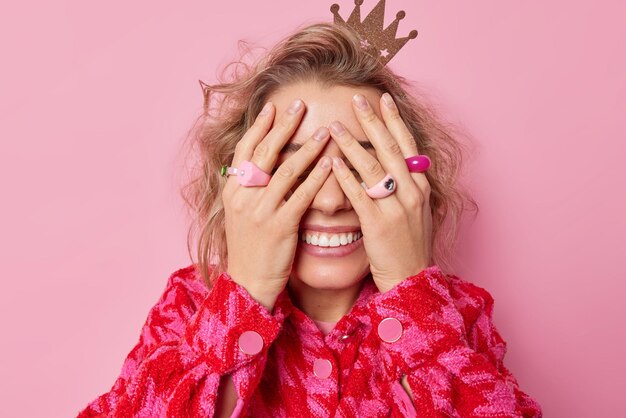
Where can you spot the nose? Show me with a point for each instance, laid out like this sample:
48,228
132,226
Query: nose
330,198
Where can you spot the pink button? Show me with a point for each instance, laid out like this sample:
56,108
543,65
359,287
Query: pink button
250,342
390,330
322,368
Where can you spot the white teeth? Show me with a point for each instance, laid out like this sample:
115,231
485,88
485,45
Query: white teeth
323,241
330,240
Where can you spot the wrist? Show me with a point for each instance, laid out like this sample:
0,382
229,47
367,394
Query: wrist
389,281
232,313
416,320
384,286
268,300
260,292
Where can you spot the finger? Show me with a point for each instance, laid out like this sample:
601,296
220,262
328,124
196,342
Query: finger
291,169
401,133
266,152
300,200
388,150
254,135
361,202
368,167
396,126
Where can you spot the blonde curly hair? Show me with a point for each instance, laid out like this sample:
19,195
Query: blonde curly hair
328,54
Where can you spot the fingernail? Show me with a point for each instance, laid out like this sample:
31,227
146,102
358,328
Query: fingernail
325,162
388,101
295,106
266,109
320,134
338,162
360,102
337,128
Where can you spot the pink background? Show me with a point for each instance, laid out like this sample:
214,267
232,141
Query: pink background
97,96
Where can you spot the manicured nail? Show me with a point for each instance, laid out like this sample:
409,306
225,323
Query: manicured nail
320,134
325,162
266,109
338,162
337,128
360,102
388,101
295,106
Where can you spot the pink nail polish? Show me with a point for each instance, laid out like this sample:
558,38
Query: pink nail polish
337,162
360,102
320,134
295,106
388,101
337,128
266,109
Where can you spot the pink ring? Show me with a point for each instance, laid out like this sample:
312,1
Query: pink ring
248,174
418,163
383,188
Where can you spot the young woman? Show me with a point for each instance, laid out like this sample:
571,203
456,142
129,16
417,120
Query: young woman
319,288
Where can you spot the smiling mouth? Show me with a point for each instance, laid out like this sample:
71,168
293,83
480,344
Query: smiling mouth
327,239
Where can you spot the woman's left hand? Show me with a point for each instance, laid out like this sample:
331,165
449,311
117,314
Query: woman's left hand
396,229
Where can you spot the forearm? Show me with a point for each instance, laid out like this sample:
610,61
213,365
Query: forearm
431,357
193,373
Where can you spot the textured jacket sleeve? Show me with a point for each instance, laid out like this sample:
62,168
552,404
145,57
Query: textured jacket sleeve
454,364
183,352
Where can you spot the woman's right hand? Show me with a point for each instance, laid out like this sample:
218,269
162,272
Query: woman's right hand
261,226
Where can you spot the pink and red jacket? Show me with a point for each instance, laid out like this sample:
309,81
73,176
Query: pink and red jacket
434,328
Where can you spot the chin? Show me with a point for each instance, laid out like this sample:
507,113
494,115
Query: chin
330,272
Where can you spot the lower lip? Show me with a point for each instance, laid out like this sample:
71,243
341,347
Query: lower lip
340,251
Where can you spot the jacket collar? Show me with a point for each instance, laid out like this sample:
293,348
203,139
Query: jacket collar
347,325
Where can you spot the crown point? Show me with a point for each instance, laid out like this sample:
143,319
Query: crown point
380,39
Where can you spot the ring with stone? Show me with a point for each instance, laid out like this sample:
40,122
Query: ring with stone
383,188
248,174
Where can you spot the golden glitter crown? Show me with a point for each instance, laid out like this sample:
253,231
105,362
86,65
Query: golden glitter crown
381,42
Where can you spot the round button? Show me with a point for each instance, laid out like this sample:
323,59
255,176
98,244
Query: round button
322,368
250,342
390,330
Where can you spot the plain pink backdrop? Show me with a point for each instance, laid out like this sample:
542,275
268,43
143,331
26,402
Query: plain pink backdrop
96,97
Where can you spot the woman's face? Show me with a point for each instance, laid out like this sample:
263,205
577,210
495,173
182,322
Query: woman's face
334,267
